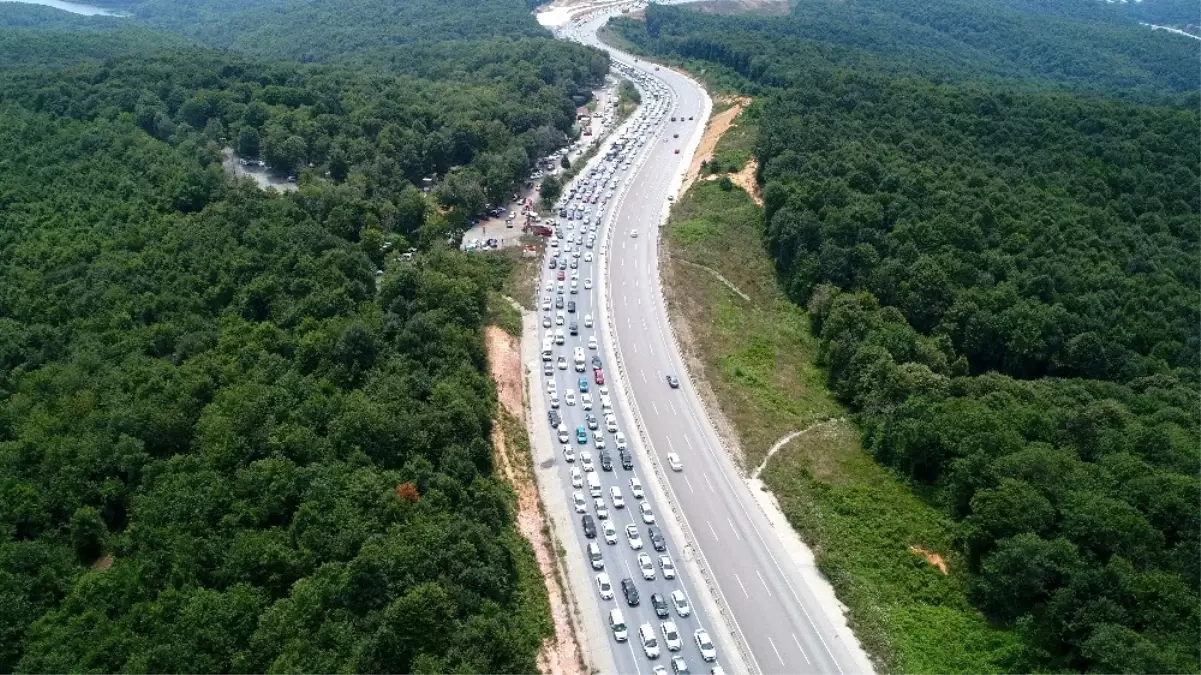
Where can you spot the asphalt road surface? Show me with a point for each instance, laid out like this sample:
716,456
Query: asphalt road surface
620,559
776,615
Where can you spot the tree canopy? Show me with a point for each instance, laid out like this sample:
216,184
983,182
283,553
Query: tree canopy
998,249
238,430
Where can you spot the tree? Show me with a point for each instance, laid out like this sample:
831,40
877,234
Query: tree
88,533
564,162
550,189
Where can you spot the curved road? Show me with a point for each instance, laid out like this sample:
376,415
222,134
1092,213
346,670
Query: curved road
776,616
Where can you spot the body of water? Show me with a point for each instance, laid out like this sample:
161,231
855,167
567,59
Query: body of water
73,7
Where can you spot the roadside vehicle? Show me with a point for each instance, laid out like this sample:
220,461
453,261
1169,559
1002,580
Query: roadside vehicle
610,531
618,625
668,567
629,590
671,636
632,534
645,565
680,602
673,460
705,645
636,487
659,603
604,586
657,541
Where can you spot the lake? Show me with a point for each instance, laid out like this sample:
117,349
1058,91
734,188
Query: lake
73,7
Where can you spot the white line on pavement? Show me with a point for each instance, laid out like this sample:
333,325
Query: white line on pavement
736,533
763,582
673,408
715,537
690,487
710,483
798,646
739,580
655,407
777,651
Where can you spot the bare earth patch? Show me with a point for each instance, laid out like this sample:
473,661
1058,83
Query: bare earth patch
560,653
719,124
102,563
931,557
745,179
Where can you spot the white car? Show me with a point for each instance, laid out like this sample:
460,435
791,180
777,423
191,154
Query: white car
559,318
668,567
585,401
610,422
610,531
604,586
681,602
703,643
636,487
588,282
648,516
588,258
568,453
569,397
671,636
586,460
598,439
592,342
602,509
619,502
546,322
587,321
577,478
619,439
562,429
646,567
673,460
577,498
634,537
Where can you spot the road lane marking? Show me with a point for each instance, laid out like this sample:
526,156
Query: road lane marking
715,537
689,484
709,482
735,529
656,408
670,444
739,580
773,648
673,408
763,582
798,646
643,373
688,441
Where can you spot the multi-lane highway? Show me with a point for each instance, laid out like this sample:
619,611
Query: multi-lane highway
770,613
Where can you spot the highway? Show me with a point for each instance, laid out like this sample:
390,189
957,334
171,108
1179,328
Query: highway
775,618
575,257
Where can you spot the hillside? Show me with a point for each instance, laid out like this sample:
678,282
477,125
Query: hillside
993,228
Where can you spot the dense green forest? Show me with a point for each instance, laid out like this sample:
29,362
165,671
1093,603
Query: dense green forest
1003,276
227,442
317,30
1084,44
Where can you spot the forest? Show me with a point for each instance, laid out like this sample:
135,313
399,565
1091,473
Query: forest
1001,266
238,432
1088,46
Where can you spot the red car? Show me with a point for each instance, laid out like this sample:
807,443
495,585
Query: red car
599,375
561,275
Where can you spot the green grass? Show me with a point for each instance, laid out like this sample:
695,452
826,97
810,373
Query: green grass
518,278
861,520
737,146
503,314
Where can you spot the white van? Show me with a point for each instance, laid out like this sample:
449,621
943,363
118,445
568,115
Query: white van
618,623
594,556
579,360
594,484
548,349
586,401
650,643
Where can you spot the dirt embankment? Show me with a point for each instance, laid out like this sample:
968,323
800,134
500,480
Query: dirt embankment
719,124
560,653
